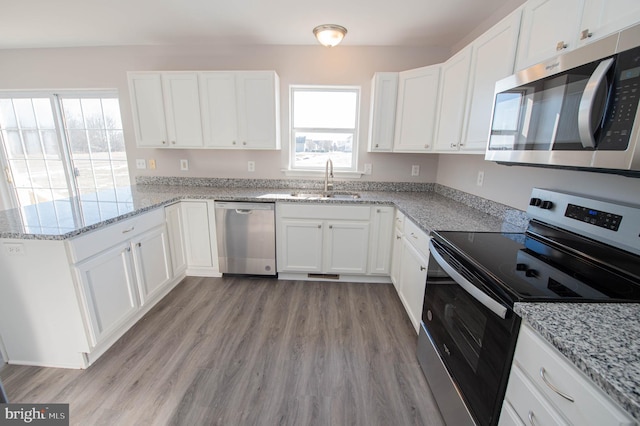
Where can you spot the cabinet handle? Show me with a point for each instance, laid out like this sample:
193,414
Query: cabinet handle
173,142
319,226
378,210
422,268
414,235
128,249
244,143
398,237
330,226
427,146
139,245
531,418
561,45
552,387
376,145
126,231
453,145
164,142
585,34
233,143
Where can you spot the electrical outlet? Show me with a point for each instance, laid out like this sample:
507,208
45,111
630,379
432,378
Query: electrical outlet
480,179
184,165
251,166
152,164
14,249
141,163
415,170
367,168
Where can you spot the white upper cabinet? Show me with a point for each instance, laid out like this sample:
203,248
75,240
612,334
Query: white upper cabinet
258,109
240,109
166,110
227,109
384,94
492,59
603,17
549,27
219,116
416,109
453,92
147,106
182,109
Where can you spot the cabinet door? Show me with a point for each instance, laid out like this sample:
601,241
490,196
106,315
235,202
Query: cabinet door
384,94
219,109
453,92
152,263
182,108
346,246
416,111
493,56
547,26
604,17
413,282
300,245
197,241
258,106
396,260
380,247
108,290
147,106
173,214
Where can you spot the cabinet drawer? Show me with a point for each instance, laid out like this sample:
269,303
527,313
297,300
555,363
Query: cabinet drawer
530,406
91,243
590,407
324,211
417,237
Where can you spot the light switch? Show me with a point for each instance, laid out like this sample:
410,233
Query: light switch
152,164
367,168
415,170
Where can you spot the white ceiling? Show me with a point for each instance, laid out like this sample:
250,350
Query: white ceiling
65,23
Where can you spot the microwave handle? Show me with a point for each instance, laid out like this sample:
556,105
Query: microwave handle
495,307
585,111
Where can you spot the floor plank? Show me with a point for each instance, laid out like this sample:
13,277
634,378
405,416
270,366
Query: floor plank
247,351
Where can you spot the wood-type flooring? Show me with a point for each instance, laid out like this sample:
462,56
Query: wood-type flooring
248,351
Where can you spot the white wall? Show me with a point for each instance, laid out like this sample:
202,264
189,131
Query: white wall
83,68
511,185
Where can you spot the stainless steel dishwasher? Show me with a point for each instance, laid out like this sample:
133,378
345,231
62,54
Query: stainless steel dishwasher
246,237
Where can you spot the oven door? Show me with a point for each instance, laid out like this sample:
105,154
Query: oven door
468,335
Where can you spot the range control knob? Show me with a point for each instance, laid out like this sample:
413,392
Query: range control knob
535,202
521,266
547,205
531,273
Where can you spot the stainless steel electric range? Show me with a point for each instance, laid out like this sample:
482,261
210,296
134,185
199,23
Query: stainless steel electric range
575,249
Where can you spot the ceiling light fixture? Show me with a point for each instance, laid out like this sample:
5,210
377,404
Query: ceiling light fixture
329,34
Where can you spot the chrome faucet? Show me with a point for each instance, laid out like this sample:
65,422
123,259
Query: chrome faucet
328,173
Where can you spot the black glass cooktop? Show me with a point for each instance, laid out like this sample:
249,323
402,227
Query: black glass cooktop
546,264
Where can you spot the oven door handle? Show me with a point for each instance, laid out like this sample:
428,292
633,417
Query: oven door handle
494,306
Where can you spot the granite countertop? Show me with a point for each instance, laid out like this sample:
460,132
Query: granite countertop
63,219
602,340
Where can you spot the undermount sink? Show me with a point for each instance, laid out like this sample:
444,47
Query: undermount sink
340,195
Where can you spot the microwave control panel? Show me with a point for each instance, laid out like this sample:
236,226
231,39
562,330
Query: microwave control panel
624,100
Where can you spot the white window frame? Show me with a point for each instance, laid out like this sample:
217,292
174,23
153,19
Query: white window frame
345,171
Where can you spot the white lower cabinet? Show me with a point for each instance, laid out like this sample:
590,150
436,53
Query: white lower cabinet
411,278
334,239
546,388
173,215
198,230
152,260
108,290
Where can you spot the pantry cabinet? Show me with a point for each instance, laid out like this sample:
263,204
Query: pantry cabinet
384,95
416,109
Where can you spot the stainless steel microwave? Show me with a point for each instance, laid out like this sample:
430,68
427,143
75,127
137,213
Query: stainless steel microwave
578,110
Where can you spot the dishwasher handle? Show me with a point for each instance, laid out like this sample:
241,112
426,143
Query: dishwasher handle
243,207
